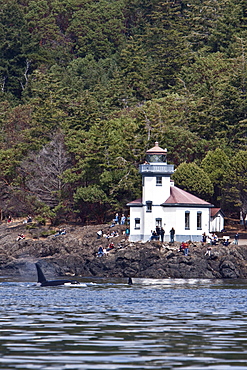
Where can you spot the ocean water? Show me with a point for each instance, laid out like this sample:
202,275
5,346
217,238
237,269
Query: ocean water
107,324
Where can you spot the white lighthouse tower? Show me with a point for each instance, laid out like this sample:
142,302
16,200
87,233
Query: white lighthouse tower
146,212
156,175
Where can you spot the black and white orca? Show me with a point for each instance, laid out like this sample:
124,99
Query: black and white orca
43,282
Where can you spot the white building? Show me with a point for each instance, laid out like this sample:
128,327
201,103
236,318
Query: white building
164,205
216,220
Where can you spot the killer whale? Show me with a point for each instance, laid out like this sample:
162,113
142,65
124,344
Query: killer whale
43,282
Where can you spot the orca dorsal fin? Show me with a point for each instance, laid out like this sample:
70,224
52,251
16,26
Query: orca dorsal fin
41,276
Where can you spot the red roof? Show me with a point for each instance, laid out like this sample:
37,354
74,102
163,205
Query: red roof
179,196
214,211
156,149
135,202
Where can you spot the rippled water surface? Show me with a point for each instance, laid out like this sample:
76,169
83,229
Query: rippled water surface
106,324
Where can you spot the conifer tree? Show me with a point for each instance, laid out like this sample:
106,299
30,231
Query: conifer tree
16,49
235,184
193,179
216,165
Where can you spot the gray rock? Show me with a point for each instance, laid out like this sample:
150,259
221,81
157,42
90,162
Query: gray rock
76,254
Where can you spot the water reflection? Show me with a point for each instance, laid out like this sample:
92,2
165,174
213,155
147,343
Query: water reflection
106,324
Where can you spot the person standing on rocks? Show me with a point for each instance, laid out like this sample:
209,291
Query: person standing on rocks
236,238
127,233
123,219
162,233
158,231
172,233
117,219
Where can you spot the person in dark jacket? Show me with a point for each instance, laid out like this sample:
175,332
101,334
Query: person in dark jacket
162,233
172,233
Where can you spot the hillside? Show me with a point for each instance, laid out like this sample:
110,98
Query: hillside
88,86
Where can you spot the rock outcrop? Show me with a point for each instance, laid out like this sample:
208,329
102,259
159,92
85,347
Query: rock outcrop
75,254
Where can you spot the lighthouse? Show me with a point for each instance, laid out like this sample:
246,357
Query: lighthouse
164,205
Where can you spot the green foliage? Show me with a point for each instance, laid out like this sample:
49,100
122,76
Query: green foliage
40,220
193,179
216,165
90,202
56,214
212,24
91,194
165,42
95,27
235,183
46,233
9,159
17,49
104,158
31,226
113,77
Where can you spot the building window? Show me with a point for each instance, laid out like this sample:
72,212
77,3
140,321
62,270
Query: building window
158,222
187,220
149,205
137,223
199,220
158,180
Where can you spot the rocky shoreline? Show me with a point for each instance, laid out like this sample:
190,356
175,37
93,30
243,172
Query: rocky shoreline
75,254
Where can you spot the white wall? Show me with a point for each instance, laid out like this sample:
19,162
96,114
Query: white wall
171,217
136,234
217,223
175,217
156,193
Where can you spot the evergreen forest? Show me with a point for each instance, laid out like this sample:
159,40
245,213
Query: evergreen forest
87,86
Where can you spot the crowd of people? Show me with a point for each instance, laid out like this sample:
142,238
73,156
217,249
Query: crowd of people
103,251
184,247
107,235
113,233
159,233
213,239
120,220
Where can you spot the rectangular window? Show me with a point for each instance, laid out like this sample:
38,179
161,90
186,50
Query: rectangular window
158,180
187,220
137,223
158,222
149,205
199,220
